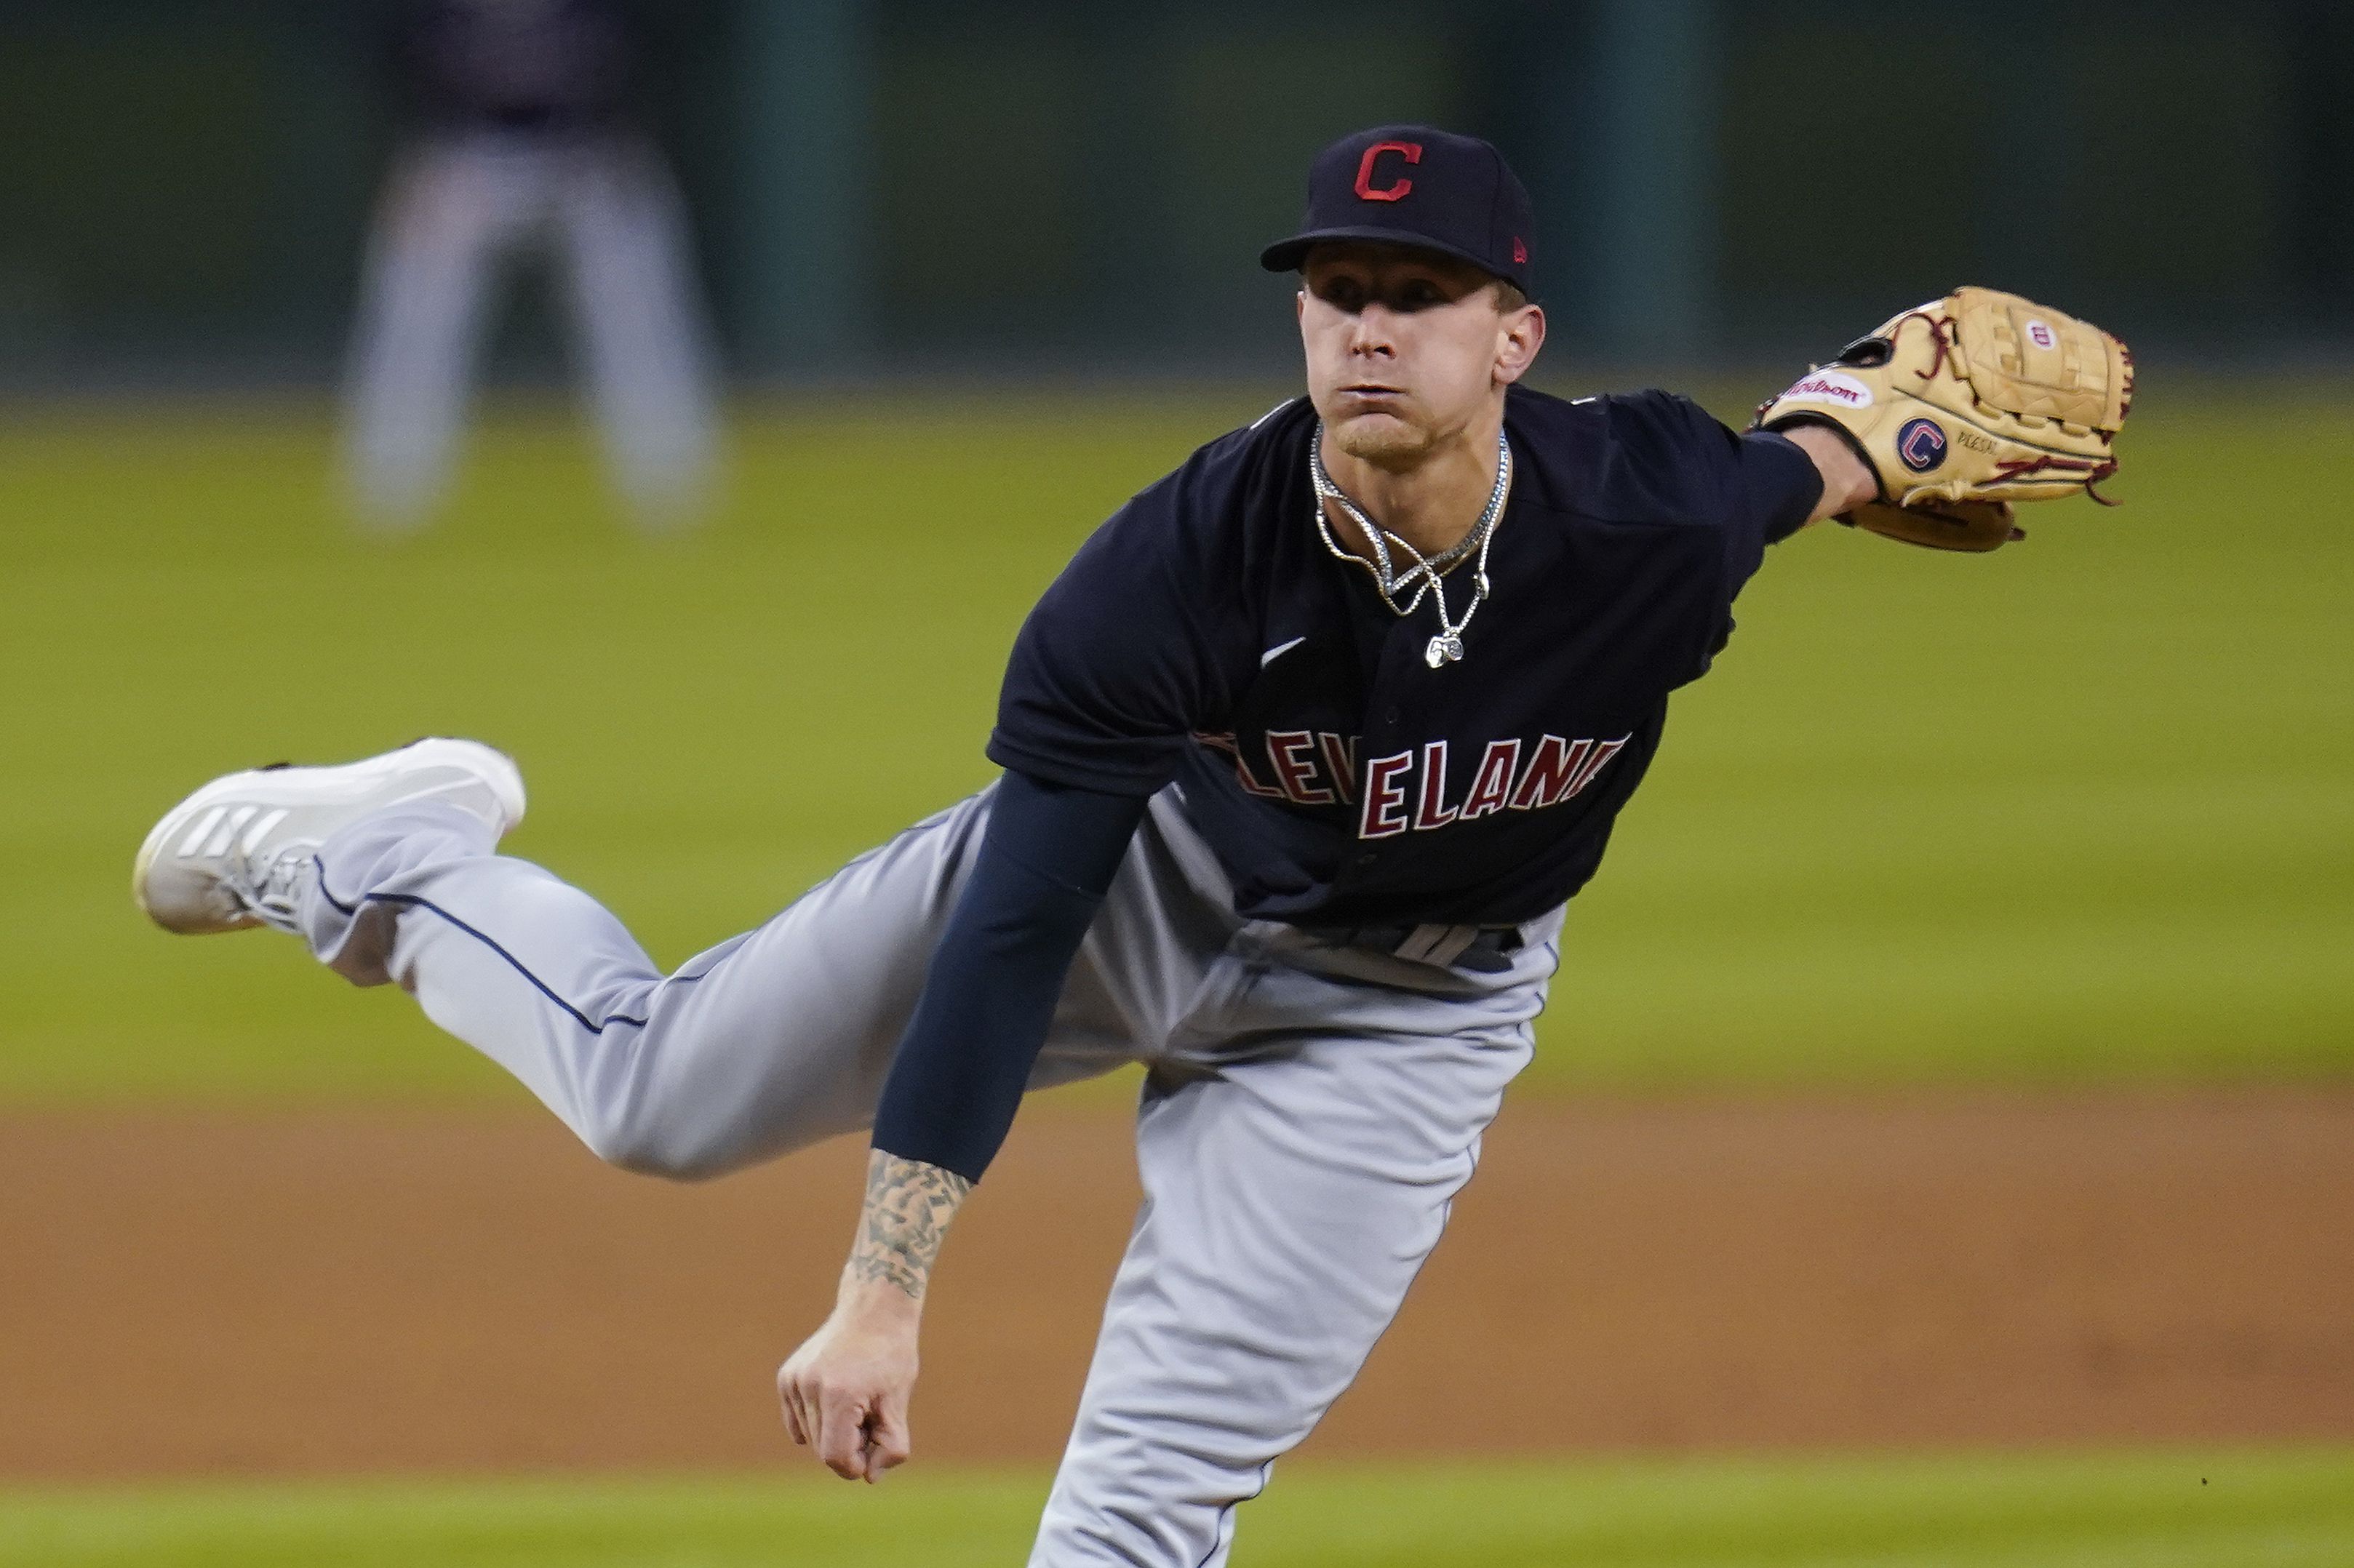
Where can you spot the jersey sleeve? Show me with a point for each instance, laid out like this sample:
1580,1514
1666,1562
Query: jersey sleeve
1671,459
1758,488
1777,488
1123,656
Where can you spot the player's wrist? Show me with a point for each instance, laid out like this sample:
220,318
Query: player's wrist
868,1302
1849,481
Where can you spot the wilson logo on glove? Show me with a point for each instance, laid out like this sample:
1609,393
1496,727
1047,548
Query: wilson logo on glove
1831,386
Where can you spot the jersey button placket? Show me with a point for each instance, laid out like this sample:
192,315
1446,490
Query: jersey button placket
1383,714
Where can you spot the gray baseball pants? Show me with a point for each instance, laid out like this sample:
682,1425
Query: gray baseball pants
1309,1112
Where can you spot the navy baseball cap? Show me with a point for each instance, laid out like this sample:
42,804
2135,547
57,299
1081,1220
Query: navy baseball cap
1410,185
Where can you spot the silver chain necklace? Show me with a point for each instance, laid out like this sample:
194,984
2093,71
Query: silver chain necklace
1423,576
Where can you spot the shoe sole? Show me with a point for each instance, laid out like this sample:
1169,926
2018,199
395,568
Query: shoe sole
309,785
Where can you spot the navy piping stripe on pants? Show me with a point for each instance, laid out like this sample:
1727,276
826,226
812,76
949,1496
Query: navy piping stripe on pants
411,901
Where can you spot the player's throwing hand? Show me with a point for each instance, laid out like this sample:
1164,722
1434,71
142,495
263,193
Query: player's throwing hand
845,1390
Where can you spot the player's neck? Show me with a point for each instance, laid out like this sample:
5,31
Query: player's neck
1431,505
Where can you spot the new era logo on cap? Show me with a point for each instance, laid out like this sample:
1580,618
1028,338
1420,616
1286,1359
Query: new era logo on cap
1412,185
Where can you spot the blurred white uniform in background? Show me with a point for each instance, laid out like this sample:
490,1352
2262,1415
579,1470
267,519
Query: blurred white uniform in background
527,145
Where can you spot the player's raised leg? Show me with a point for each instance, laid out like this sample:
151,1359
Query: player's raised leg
387,868
1290,1198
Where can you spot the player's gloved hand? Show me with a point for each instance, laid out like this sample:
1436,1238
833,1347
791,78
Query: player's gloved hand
1966,405
846,1390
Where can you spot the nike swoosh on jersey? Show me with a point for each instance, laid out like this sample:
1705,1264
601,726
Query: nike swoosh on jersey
1278,651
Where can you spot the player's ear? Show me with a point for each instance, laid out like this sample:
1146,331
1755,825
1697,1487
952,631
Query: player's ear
1518,334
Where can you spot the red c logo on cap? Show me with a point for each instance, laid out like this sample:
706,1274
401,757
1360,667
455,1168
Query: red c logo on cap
1410,150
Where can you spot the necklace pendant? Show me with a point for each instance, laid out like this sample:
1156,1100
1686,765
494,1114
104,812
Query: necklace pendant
1443,649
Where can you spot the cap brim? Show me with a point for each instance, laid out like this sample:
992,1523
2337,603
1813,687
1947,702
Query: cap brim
1286,255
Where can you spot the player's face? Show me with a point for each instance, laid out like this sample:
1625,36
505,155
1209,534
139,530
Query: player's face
1406,350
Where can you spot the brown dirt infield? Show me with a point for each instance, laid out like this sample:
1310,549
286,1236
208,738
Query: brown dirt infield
410,1290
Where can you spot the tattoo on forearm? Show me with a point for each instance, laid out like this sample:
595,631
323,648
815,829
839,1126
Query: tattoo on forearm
908,1207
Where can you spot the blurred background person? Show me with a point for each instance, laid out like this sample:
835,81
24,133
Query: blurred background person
525,139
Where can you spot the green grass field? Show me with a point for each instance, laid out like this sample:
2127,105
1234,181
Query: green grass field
2229,1509
2082,811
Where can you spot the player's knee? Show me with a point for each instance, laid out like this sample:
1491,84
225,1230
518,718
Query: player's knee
647,1147
671,1163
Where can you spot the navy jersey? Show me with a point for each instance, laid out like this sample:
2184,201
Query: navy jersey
1207,635
517,65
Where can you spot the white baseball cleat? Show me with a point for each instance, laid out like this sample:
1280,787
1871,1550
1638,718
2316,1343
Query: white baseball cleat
234,853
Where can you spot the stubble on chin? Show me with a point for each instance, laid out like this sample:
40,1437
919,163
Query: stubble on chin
1383,441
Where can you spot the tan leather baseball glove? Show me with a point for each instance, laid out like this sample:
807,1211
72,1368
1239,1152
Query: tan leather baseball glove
1963,408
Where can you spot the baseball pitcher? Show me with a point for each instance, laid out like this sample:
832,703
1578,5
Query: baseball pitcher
1303,753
